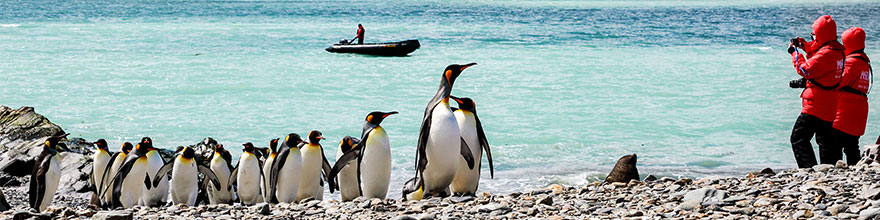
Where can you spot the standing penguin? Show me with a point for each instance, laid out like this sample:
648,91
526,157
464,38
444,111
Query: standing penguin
347,180
132,176
373,154
158,195
467,180
314,167
101,161
185,171
284,178
115,162
46,174
247,175
440,141
267,167
221,165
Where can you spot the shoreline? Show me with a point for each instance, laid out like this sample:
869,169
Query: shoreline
823,191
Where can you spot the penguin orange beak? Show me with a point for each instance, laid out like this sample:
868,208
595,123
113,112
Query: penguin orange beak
466,66
456,99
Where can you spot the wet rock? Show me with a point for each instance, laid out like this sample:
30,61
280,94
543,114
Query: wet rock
822,167
492,207
113,215
650,178
403,217
546,200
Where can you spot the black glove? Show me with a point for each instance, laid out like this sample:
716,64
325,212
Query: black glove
791,49
798,83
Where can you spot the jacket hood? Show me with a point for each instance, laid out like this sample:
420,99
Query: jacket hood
825,30
853,39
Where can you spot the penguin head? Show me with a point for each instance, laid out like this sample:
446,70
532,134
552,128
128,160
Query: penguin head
273,145
146,145
375,118
465,103
52,142
101,144
293,140
188,153
346,144
452,71
248,147
223,153
126,147
147,140
315,136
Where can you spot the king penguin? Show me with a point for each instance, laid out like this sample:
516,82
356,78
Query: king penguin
113,165
185,169
440,142
314,169
100,163
156,196
221,165
46,174
267,167
284,178
347,178
467,180
132,176
247,175
373,154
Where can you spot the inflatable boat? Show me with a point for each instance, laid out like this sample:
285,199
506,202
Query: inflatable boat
400,48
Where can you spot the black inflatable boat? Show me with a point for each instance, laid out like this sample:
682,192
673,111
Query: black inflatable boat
400,48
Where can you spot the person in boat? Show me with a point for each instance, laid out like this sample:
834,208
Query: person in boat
852,106
360,35
821,73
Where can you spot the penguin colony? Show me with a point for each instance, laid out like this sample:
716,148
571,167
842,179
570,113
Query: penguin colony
450,145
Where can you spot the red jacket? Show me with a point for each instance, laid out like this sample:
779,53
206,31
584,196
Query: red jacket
824,65
852,108
360,33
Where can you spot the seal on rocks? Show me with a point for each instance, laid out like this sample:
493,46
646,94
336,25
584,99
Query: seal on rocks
624,171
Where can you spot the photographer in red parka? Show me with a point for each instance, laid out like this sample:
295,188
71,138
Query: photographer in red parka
852,106
821,76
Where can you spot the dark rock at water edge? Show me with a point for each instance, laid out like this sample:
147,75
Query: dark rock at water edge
624,171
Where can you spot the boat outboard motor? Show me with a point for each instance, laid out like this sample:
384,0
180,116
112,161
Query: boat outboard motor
343,42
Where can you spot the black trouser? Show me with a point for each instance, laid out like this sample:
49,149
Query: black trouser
360,40
804,128
849,144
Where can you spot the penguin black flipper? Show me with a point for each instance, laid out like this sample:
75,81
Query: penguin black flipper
360,158
466,154
209,175
162,172
277,164
147,181
345,158
233,177
481,137
38,180
120,176
325,166
424,133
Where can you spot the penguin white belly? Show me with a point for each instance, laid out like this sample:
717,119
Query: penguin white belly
53,175
347,179
184,182
467,180
113,168
443,150
311,172
249,179
222,195
133,184
267,170
376,165
101,160
288,177
156,195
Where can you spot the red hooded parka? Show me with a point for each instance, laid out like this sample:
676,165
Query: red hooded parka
852,108
822,68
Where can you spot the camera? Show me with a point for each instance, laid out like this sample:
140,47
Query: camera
798,83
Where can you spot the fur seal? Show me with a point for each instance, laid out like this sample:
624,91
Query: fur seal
624,171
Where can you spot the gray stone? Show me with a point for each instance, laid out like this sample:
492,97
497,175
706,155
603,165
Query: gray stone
403,217
840,164
870,193
650,178
546,200
461,199
837,208
802,214
705,196
822,167
262,209
429,216
492,207
113,215
871,213
312,203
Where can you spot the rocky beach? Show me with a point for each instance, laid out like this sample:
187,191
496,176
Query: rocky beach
821,192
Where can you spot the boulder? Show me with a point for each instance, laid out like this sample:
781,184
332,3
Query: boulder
870,154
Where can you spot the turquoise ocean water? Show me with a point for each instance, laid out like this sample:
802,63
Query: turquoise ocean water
564,88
